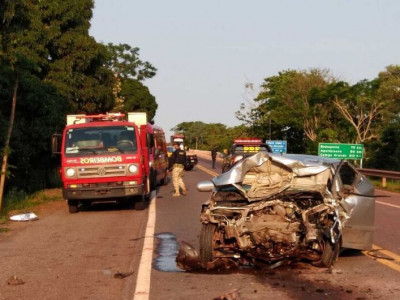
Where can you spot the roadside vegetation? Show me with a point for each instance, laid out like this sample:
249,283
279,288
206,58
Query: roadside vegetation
49,67
391,185
19,202
308,107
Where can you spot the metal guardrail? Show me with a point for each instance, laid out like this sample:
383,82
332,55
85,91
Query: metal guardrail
381,173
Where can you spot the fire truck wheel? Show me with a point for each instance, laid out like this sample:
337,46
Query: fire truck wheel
153,179
141,202
73,206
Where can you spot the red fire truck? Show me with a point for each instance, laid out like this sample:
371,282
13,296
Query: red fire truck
108,157
158,156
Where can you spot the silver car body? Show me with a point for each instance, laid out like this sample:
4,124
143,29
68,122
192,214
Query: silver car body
266,180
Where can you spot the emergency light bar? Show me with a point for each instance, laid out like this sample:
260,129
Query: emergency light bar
79,119
248,141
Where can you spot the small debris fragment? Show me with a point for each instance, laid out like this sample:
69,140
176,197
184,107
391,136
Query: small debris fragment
14,280
233,295
29,216
122,275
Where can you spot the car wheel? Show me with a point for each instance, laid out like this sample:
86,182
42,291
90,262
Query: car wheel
207,242
153,179
141,202
72,206
330,253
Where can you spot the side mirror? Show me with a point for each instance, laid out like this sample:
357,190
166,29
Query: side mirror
205,186
56,143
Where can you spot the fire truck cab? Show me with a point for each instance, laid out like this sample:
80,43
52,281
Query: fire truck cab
106,157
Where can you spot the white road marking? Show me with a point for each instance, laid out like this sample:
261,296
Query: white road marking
392,205
142,291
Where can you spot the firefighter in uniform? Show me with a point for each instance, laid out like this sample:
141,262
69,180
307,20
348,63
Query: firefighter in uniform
176,164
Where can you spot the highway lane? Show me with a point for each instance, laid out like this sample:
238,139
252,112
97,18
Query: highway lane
354,276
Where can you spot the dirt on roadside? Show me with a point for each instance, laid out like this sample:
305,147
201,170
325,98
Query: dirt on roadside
44,209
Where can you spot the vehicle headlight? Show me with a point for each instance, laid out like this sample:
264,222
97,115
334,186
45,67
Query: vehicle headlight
133,168
70,172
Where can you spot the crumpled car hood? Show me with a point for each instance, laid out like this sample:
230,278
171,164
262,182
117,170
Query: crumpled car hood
261,176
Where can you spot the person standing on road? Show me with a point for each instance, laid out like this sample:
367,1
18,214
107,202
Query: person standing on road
213,156
226,162
176,164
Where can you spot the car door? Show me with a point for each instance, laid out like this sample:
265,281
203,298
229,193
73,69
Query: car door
358,198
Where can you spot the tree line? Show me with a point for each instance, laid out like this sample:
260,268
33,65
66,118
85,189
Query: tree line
307,107
50,67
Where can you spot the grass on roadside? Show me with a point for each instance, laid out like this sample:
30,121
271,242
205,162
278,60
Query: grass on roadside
391,185
19,202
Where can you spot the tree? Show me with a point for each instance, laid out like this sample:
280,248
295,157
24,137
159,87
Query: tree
76,61
385,154
129,72
362,109
204,136
389,91
137,97
288,108
124,61
287,99
20,54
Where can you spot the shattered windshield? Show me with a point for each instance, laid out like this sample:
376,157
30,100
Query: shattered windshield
100,140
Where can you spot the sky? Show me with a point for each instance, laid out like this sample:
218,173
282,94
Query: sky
208,51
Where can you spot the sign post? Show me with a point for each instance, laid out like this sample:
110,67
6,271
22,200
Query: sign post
278,146
341,151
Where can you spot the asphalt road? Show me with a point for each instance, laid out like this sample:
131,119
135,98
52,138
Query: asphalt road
96,254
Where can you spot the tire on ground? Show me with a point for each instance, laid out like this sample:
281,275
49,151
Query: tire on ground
206,242
73,206
329,254
141,202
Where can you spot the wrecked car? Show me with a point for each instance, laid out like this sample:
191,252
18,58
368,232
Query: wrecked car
272,209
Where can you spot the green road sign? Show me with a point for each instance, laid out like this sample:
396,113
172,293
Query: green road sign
341,151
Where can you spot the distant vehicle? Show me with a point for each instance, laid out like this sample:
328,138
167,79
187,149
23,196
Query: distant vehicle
245,147
272,209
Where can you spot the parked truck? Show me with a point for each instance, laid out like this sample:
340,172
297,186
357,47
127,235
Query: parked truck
110,157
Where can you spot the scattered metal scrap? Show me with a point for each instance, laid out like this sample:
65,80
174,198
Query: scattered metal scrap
233,295
29,216
373,254
122,275
14,280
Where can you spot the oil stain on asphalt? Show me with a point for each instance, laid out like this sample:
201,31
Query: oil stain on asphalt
167,251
